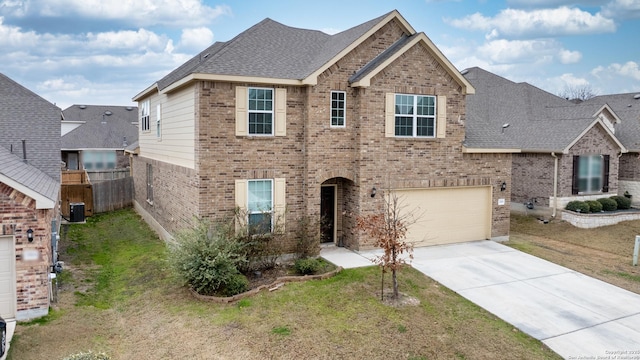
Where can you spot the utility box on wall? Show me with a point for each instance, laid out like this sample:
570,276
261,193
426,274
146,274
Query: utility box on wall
76,212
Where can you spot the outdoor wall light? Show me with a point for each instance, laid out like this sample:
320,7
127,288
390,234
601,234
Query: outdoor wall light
373,192
503,186
504,127
30,235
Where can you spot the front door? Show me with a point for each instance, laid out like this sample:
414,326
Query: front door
328,212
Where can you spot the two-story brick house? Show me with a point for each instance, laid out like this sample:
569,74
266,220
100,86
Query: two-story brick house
288,121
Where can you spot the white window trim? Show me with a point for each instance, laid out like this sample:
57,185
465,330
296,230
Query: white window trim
272,112
415,116
344,110
271,211
145,116
158,122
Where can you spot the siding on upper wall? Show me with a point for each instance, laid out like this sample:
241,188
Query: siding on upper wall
177,140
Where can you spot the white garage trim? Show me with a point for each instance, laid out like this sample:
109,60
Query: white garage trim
447,215
7,277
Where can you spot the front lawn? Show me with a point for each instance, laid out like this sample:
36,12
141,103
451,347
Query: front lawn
605,253
119,297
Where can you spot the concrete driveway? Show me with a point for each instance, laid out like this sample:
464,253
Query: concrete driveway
575,315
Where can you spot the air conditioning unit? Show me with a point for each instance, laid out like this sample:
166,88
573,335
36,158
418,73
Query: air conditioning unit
76,212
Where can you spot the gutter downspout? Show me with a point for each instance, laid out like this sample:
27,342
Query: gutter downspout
555,185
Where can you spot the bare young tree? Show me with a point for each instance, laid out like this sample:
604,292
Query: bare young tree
578,93
389,229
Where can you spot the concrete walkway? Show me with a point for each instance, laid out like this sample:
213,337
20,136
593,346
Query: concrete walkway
575,315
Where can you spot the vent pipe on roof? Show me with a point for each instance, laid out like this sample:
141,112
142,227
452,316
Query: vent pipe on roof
24,151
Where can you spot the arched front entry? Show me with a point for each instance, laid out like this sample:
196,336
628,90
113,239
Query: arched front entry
335,211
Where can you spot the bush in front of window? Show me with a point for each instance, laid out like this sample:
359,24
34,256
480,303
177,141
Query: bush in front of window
207,259
578,206
623,202
594,206
262,240
608,204
307,266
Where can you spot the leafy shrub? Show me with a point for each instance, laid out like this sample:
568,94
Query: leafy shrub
307,266
262,242
208,259
623,202
594,206
237,284
307,236
88,356
608,204
578,206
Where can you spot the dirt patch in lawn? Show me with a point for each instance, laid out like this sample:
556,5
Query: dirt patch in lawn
605,253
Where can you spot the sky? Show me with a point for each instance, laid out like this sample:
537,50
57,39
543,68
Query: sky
104,52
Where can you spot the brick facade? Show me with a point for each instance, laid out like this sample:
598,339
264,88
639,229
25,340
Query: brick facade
533,172
18,213
356,157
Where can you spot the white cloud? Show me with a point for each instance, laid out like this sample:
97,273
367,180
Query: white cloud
514,23
140,13
625,9
569,57
130,40
196,39
629,70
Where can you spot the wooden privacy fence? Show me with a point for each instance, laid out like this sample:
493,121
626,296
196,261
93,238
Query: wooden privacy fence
76,188
112,195
98,197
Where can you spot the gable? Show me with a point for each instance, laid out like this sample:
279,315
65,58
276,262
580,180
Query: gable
402,47
596,139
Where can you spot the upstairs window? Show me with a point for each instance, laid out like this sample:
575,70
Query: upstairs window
260,111
144,115
338,106
415,116
158,121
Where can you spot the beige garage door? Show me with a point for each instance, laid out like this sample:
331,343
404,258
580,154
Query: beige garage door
445,216
7,278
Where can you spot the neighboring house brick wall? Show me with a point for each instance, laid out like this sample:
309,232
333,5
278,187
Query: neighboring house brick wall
175,193
17,215
532,178
629,167
595,141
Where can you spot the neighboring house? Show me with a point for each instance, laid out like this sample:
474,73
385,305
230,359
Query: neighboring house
283,122
94,136
562,150
29,196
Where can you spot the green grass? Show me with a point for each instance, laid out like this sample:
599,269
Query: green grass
623,275
51,316
124,254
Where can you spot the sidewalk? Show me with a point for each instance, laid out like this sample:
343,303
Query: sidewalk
574,314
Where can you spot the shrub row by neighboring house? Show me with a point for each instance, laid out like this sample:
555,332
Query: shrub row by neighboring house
29,197
562,150
284,122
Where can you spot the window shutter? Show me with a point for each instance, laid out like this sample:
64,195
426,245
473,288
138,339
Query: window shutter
281,112
441,116
575,181
241,111
605,175
279,202
241,202
389,115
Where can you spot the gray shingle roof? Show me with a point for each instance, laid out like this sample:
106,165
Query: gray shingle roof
25,115
628,110
382,57
272,50
31,177
94,134
538,120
